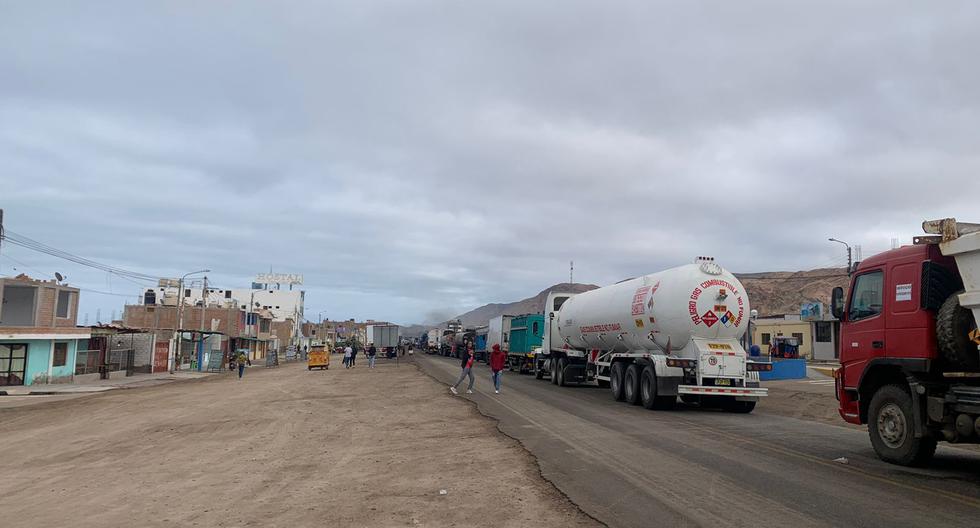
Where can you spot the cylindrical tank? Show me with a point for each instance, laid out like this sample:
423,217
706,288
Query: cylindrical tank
656,311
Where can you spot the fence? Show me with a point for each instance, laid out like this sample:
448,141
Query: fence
86,362
122,360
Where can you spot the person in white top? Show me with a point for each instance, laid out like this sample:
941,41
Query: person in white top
348,351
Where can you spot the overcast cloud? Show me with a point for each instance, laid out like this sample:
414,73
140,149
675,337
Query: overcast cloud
416,159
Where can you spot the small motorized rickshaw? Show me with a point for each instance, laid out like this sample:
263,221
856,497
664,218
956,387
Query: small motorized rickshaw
319,357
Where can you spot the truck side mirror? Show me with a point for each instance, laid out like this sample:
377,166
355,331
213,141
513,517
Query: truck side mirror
551,315
837,303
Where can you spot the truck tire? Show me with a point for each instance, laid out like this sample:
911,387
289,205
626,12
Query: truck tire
890,426
538,372
739,407
616,380
631,384
648,392
554,371
560,373
953,327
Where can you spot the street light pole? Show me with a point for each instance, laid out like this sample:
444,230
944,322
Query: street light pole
848,253
180,318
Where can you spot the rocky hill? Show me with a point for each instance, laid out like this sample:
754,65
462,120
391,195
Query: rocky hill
483,314
782,292
771,293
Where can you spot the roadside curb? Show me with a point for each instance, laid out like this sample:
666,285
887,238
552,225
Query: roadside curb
496,422
828,371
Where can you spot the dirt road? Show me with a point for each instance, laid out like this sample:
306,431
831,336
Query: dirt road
283,447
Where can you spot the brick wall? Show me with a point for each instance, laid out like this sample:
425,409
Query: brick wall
165,318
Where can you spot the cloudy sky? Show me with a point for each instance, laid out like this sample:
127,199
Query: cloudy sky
415,159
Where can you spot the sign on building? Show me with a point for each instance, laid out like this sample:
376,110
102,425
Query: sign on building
812,311
279,278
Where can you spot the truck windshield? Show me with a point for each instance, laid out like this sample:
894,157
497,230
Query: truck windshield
866,297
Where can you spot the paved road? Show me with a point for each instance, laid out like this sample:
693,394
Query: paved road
628,466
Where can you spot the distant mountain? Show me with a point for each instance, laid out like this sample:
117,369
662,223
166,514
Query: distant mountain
782,292
483,314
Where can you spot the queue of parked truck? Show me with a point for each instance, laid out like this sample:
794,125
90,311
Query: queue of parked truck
909,341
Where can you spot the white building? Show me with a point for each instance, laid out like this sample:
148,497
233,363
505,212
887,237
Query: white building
283,304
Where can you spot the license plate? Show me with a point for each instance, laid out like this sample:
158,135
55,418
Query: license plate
722,382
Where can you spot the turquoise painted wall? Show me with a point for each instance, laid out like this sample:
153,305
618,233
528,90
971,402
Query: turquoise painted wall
39,357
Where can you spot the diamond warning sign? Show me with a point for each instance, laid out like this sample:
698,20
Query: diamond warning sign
709,318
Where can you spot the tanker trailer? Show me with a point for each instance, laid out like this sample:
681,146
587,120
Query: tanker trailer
656,337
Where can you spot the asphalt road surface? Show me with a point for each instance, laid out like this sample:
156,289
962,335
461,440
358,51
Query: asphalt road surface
628,466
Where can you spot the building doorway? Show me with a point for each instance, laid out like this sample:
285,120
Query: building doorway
13,363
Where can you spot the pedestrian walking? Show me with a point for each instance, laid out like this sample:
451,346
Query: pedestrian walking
372,354
348,352
498,360
353,355
467,364
242,360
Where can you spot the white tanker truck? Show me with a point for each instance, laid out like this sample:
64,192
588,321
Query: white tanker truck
656,337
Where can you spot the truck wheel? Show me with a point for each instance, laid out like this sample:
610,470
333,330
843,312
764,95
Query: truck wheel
648,392
616,380
554,371
631,384
739,407
890,425
561,373
953,327
539,372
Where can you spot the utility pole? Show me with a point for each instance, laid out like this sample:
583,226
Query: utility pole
849,254
1,228
204,307
180,319
571,271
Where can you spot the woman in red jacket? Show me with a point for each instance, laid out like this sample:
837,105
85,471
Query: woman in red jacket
498,360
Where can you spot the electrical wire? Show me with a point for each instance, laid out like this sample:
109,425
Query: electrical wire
28,243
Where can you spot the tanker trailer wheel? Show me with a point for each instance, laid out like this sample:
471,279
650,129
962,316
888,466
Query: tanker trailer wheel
954,324
554,371
561,373
739,407
616,380
538,372
631,384
890,426
648,392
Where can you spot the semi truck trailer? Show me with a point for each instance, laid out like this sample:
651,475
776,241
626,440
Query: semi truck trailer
654,338
910,364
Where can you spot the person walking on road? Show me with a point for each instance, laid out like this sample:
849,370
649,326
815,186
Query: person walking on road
242,359
372,354
353,355
498,360
347,355
466,362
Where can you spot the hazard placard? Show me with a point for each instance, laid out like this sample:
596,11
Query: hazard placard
709,318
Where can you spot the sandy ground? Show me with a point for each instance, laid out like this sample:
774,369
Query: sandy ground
283,447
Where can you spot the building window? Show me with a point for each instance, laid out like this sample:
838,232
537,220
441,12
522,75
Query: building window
60,355
64,304
277,307
187,292
264,325
766,338
799,338
227,294
823,332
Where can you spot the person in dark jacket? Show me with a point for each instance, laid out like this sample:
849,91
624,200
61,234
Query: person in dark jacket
466,362
498,360
353,355
372,354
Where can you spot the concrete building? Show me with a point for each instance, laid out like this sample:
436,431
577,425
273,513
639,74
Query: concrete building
39,337
282,304
817,337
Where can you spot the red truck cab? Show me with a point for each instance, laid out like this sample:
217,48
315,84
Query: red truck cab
894,376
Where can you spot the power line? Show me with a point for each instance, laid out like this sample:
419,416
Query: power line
28,243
